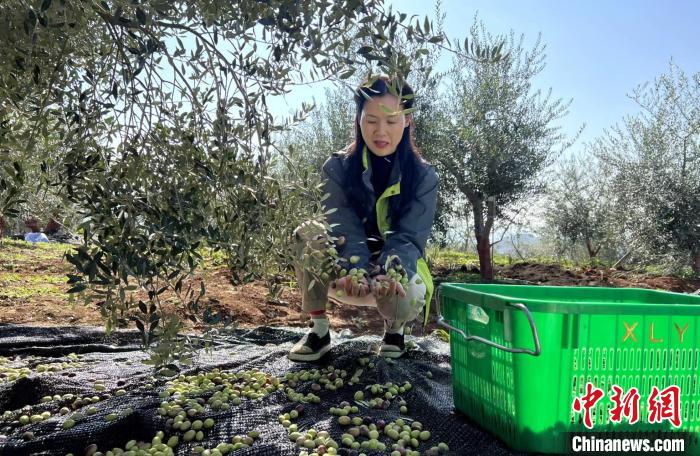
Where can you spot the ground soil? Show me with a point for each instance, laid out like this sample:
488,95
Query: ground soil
32,292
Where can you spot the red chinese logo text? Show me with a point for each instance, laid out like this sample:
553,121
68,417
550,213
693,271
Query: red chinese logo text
663,405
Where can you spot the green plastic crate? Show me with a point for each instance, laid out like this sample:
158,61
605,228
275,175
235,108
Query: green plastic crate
555,339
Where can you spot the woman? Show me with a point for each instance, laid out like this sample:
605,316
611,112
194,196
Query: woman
384,195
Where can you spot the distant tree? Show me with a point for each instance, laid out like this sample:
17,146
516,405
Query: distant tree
327,129
580,207
654,158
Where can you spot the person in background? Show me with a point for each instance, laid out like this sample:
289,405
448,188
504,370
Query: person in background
52,226
35,235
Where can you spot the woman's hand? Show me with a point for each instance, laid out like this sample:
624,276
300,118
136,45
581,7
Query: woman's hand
359,289
383,285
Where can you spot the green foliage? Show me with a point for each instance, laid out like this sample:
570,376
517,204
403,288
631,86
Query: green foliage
653,159
449,259
11,181
145,217
151,118
428,87
256,213
502,135
19,286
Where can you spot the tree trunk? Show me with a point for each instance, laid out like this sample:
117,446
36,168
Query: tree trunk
591,251
484,249
482,232
696,263
467,230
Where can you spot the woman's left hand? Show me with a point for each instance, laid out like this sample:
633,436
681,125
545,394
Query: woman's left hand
359,289
383,285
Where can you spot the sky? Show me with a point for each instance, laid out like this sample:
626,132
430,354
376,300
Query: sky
597,51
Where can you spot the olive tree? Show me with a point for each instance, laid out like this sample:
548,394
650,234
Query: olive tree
580,208
654,160
499,133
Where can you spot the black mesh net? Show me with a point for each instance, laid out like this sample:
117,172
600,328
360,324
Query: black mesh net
62,372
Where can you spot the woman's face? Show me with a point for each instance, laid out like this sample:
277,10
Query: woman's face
382,124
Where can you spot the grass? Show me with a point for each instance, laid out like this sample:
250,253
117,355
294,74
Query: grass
19,277
656,270
10,245
453,259
15,254
18,286
21,292
212,259
31,279
462,277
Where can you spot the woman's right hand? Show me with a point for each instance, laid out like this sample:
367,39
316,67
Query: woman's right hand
359,289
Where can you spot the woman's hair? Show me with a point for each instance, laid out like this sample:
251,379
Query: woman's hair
409,156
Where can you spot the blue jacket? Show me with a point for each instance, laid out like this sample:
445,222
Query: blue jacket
411,233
